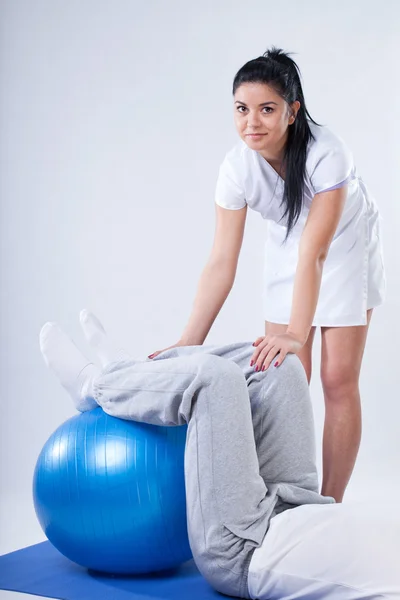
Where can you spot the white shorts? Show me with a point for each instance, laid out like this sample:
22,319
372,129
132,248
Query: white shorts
353,277
329,552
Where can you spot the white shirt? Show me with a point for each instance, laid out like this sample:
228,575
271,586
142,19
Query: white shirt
346,551
353,278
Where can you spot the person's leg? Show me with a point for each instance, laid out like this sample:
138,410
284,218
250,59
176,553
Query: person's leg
283,428
229,506
341,358
228,502
343,551
305,354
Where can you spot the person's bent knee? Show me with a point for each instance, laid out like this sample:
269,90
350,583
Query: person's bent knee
216,365
292,367
290,376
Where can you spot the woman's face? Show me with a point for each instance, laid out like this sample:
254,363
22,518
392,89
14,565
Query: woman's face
262,118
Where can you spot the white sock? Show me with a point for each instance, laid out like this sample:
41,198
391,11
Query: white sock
74,371
98,339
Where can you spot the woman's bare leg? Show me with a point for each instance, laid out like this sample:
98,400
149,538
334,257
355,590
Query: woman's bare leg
342,352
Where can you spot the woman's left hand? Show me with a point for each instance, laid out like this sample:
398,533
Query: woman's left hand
277,346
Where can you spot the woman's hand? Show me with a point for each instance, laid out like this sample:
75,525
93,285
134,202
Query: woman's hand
277,346
168,348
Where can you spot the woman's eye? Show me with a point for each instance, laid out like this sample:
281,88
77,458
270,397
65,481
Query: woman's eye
268,109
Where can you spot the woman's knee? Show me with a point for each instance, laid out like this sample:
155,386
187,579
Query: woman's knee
337,378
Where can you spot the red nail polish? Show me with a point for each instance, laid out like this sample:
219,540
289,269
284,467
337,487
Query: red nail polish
263,369
276,364
257,368
252,363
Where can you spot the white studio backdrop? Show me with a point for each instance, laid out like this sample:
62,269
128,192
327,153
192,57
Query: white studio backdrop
114,118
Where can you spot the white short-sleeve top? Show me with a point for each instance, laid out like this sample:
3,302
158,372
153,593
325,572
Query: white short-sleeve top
353,277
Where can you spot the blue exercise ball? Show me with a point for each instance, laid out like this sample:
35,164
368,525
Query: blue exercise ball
110,494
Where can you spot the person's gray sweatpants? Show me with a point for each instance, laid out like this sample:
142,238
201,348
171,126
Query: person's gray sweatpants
250,448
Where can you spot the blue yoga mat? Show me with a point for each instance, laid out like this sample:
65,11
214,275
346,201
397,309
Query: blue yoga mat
41,570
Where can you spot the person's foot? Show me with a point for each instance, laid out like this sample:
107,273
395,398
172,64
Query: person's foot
74,371
96,336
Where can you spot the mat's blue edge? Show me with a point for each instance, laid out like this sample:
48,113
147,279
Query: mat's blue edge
40,570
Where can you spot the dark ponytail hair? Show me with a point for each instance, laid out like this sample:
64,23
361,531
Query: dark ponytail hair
280,72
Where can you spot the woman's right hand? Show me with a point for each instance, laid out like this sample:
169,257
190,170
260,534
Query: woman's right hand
168,348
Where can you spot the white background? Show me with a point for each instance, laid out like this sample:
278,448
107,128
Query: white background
115,117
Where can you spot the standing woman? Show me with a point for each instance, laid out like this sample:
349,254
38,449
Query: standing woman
323,256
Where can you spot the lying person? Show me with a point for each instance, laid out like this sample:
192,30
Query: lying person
258,527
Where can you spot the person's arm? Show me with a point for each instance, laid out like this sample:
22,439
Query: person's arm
215,283
218,275
323,219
